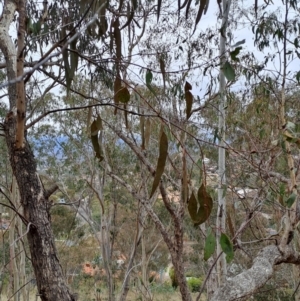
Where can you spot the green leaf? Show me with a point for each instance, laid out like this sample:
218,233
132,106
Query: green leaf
298,76
227,247
36,28
163,69
291,200
229,71
210,245
123,95
147,132
161,162
235,53
149,77
239,43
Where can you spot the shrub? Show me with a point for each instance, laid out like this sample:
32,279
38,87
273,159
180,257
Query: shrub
194,284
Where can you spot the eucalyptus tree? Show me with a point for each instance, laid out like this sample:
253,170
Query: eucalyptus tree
54,32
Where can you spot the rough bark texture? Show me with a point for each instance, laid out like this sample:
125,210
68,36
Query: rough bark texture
242,286
48,272
47,269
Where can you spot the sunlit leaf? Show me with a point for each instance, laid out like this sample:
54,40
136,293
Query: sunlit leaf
163,154
227,247
210,245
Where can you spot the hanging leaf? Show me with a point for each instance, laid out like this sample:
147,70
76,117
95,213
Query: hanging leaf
99,123
227,247
147,132
158,8
95,128
149,77
291,200
235,53
200,209
230,224
206,203
298,76
210,245
123,95
73,58
189,103
202,8
96,147
239,43
142,126
126,116
163,70
193,207
161,162
130,15
187,86
229,71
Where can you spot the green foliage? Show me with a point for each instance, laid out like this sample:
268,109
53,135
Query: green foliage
290,200
210,245
63,220
173,277
229,71
227,247
194,284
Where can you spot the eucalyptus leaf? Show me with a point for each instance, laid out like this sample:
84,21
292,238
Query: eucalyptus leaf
291,200
227,247
161,162
229,71
210,245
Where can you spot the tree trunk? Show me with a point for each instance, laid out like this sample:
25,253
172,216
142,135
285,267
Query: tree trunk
34,200
221,215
